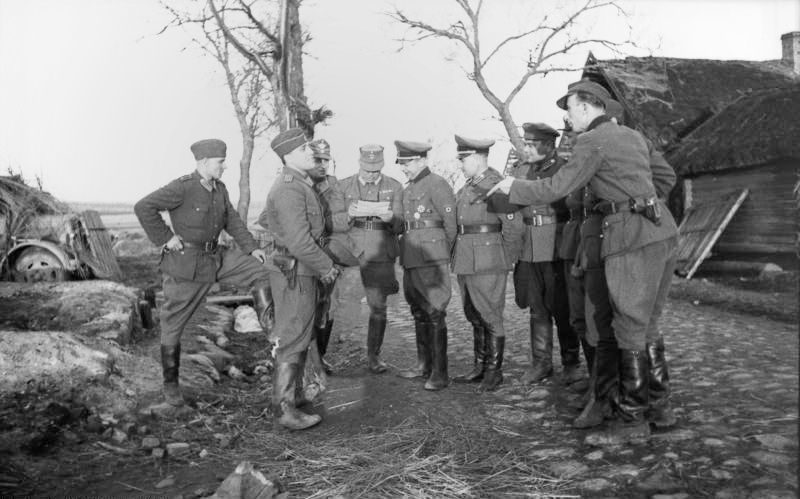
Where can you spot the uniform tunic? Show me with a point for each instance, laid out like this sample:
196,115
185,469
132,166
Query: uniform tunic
199,210
425,252
296,218
567,250
618,164
379,247
482,261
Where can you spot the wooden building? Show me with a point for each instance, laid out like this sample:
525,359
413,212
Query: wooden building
754,144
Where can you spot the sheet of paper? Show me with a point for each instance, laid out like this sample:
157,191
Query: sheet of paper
363,208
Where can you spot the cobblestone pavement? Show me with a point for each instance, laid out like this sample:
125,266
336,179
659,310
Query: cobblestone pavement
735,393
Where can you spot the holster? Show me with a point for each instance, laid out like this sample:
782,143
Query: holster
287,264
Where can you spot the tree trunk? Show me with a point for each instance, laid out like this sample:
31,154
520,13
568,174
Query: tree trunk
248,144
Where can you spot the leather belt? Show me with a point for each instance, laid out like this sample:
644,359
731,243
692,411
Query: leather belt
634,205
539,220
424,224
370,224
480,228
208,246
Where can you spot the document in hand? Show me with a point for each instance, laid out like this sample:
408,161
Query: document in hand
363,208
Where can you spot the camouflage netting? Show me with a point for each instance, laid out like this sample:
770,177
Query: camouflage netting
28,212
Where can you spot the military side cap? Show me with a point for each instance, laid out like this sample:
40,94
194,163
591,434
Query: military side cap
539,131
209,148
407,150
287,141
465,146
371,157
614,110
587,86
321,148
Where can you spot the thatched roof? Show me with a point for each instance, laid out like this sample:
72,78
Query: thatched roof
15,195
666,98
753,130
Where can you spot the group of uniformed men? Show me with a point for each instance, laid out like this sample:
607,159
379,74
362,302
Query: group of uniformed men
589,239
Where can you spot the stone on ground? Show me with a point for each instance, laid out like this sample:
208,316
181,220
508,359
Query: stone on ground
246,320
248,483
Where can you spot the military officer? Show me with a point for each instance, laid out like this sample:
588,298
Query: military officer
191,260
296,218
539,280
376,237
638,245
487,246
338,245
425,248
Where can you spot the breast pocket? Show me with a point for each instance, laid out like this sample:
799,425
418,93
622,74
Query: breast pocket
198,217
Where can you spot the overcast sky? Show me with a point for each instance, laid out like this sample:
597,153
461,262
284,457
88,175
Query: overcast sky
103,110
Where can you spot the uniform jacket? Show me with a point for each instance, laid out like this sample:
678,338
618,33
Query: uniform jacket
336,219
540,243
296,217
428,197
486,252
618,164
570,234
378,245
197,216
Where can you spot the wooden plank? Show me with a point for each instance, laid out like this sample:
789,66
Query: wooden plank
99,255
708,242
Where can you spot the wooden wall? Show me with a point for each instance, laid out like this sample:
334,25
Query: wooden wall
767,221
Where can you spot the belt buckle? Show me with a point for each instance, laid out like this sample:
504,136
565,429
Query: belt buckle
537,220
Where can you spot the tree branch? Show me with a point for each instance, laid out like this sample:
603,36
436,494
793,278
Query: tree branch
237,44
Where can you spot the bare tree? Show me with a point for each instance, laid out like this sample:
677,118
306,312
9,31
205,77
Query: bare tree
272,40
548,41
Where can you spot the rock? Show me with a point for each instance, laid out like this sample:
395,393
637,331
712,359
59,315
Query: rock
771,458
550,453
177,448
713,442
119,436
222,341
538,393
158,453
36,355
721,474
247,483
203,453
671,455
143,430
181,434
659,480
594,484
167,482
775,441
675,436
594,456
150,443
567,469
235,373
245,320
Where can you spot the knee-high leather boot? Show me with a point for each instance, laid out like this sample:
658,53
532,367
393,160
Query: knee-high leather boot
322,336
170,367
424,354
300,399
634,396
264,306
659,413
541,351
284,386
495,347
588,394
438,378
480,346
375,331
604,389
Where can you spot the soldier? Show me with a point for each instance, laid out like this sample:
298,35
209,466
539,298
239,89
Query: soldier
336,224
425,249
376,237
488,243
191,260
539,281
638,247
295,217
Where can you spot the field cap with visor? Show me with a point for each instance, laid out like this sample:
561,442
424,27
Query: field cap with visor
371,157
407,150
466,147
588,87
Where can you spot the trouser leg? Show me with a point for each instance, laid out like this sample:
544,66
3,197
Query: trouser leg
568,340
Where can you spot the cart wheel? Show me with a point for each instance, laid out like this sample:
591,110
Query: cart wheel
36,265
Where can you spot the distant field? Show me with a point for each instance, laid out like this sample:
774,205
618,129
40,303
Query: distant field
127,221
